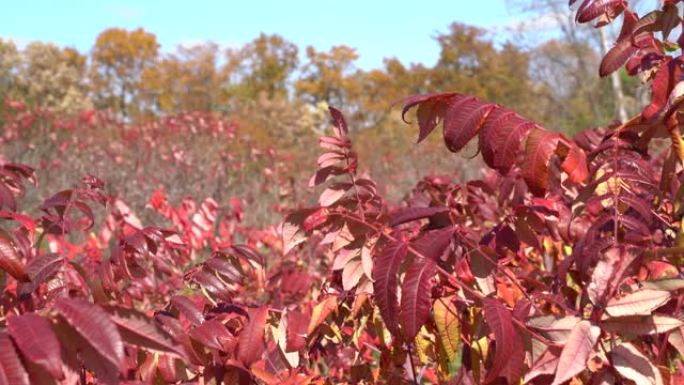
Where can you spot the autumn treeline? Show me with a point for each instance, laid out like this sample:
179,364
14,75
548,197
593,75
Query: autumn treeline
128,73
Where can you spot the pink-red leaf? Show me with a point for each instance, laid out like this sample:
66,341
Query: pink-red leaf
641,325
463,120
139,330
546,364
10,261
188,308
37,342
80,353
431,109
251,342
12,371
95,326
634,365
592,9
332,194
500,321
642,302
501,140
351,274
297,325
416,296
434,244
575,164
339,123
666,78
214,334
386,280
576,352
409,214
540,147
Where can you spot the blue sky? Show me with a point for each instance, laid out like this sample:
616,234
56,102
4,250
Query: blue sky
376,28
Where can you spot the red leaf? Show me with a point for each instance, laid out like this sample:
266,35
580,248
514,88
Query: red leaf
43,266
618,55
501,140
650,22
666,78
431,109
139,330
40,269
338,122
214,334
13,372
24,220
352,273
463,120
385,276
292,228
188,309
575,164
595,8
37,342
501,133
634,365
251,342
576,352
433,244
500,321
515,365
80,353
297,325
10,261
95,326
212,284
642,302
333,193
408,214
546,364
641,325
541,145
416,296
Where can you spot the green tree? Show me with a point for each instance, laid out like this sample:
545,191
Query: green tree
53,77
9,66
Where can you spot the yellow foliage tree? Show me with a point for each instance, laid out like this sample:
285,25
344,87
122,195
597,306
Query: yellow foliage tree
263,65
119,59
185,81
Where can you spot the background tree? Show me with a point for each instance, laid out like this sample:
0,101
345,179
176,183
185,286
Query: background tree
188,80
263,65
618,94
328,76
562,68
469,61
119,59
53,77
9,63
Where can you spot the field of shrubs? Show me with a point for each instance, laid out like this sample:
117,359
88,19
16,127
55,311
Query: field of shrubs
186,249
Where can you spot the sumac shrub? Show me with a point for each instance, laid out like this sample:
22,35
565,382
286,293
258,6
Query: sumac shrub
561,265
